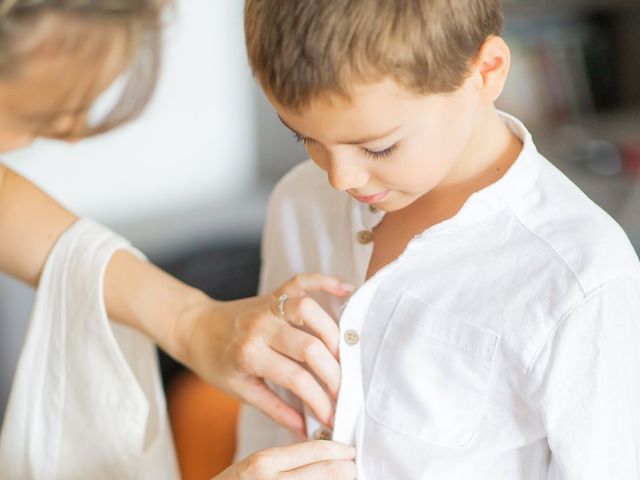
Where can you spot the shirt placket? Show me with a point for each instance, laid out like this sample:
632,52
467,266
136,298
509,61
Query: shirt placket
350,401
351,397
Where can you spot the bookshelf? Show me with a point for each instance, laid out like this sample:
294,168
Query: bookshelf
575,81
573,57
536,7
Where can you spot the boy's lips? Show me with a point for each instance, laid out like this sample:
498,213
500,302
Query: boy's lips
371,198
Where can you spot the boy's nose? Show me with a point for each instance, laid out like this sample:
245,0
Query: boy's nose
347,175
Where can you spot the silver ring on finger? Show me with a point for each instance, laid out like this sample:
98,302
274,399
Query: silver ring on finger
281,303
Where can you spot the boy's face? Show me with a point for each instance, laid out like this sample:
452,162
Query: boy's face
387,146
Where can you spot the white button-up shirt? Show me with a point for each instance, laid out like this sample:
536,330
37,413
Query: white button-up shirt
87,401
503,344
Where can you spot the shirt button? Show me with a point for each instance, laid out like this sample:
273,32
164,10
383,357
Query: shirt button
351,337
365,237
373,209
322,433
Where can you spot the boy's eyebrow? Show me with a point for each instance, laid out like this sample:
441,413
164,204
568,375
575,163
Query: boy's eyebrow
359,141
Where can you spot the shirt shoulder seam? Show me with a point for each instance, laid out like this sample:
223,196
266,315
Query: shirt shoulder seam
551,248
588,296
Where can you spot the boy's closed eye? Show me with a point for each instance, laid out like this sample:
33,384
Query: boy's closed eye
373,154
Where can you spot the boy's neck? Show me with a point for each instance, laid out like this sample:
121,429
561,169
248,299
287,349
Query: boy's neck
490,153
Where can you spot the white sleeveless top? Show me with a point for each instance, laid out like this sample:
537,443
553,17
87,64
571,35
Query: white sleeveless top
87,401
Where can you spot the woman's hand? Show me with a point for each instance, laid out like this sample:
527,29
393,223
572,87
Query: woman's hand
317,460
238,345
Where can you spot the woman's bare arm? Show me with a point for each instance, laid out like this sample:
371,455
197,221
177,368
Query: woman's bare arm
234,345
30,223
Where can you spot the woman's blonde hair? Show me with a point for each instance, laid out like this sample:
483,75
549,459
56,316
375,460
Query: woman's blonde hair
139,20
299,49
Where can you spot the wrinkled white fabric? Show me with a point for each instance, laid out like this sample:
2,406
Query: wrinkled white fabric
503,344
87,401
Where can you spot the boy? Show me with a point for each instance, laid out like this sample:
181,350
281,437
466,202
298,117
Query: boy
495,331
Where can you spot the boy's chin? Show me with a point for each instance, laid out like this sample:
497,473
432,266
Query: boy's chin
395,203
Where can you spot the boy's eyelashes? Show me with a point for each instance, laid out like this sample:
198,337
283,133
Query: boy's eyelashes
386,153
300,139
376,155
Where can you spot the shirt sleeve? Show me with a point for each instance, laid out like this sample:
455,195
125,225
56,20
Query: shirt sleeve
283,244
585,383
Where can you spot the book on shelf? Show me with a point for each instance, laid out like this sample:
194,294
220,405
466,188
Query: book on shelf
559,68
563,76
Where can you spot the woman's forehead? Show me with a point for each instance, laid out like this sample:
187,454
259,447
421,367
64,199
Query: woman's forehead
69,37
67,65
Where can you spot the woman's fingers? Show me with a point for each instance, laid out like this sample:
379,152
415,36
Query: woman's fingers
305,311
334,469
293,457
254,343
306,348
301,284
285,372
305,461
260,395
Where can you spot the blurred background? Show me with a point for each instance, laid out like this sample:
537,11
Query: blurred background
188,182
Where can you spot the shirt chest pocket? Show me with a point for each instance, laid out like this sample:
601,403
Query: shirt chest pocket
431,374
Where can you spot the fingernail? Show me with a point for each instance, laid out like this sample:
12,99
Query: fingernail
353,452
347,287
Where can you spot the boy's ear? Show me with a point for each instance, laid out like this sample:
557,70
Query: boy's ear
491,67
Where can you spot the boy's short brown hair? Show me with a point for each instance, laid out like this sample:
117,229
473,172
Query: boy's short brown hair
299,49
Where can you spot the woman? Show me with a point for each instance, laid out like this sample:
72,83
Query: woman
56,57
